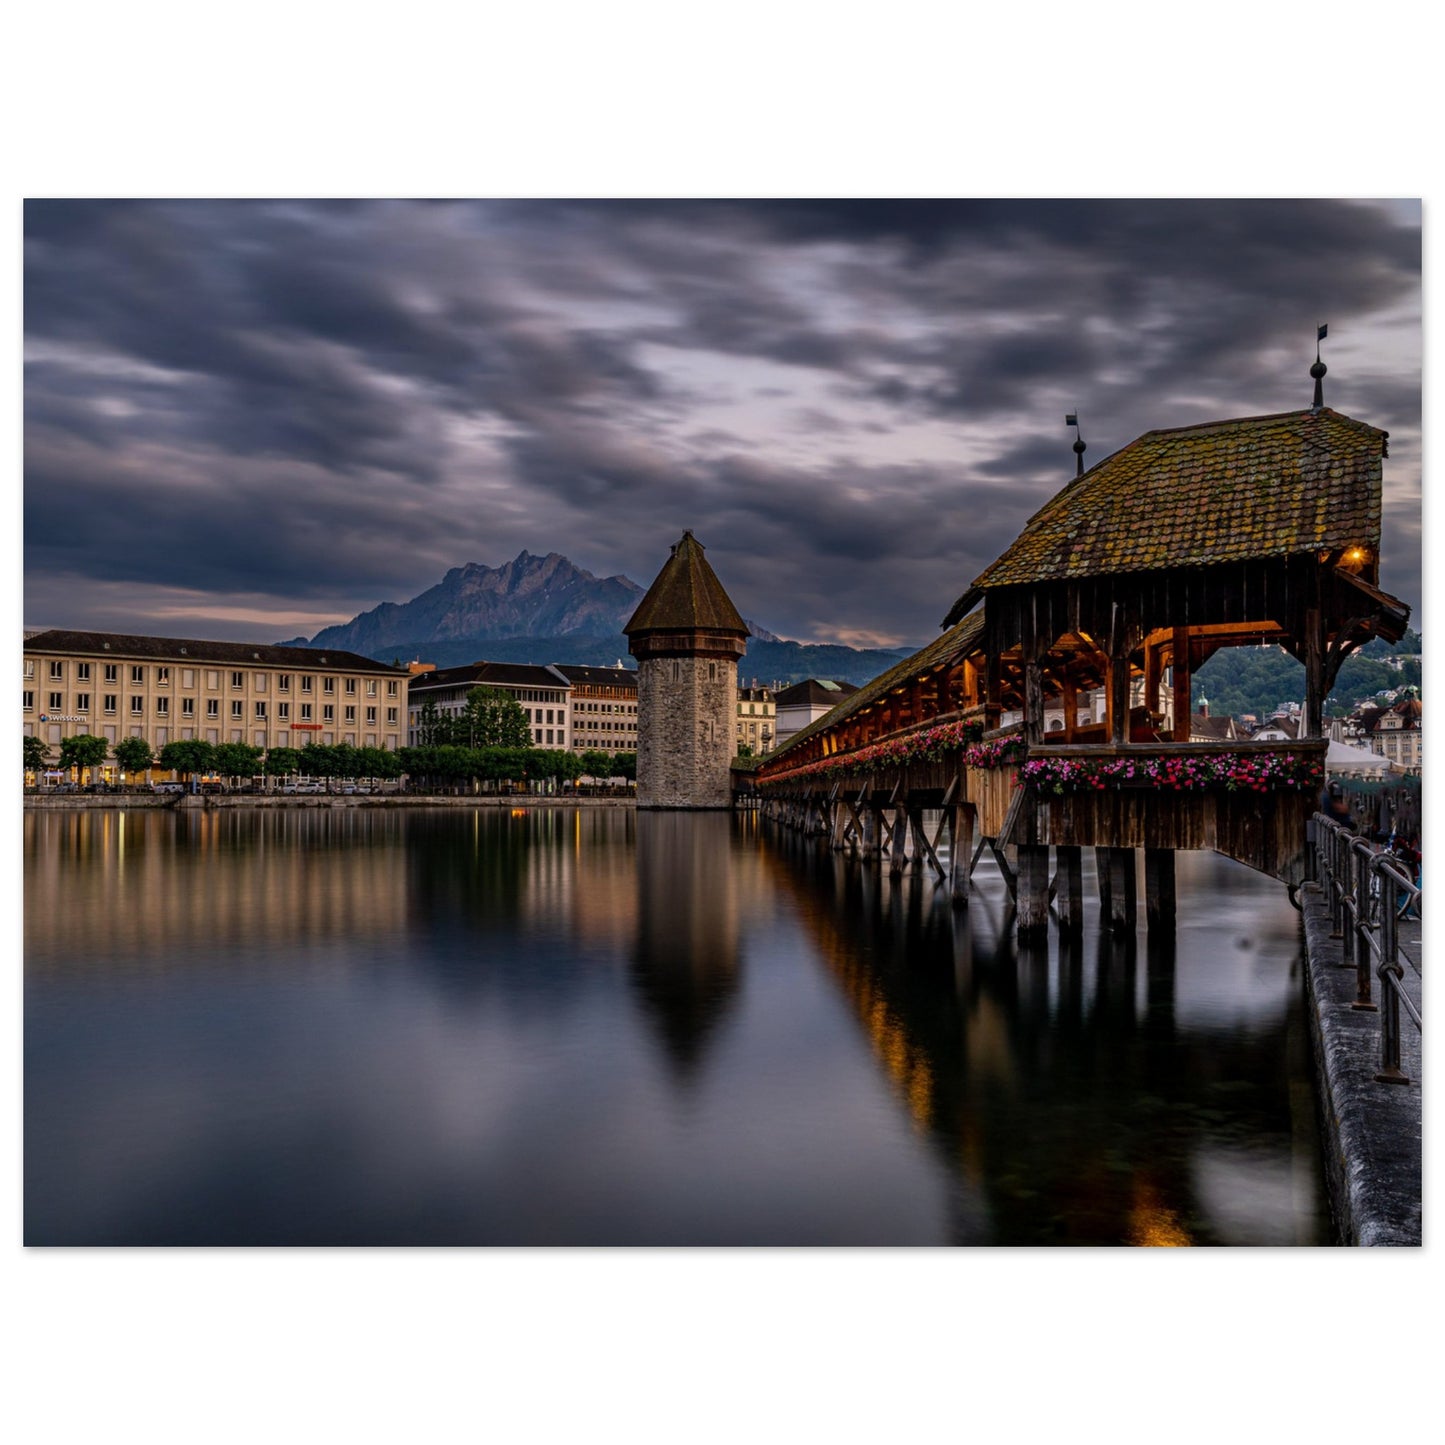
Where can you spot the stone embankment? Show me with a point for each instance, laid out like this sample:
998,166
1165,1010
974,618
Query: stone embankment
1372,1129
321,800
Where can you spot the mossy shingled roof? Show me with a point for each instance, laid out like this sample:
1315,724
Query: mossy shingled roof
960,640
1196,496
686,595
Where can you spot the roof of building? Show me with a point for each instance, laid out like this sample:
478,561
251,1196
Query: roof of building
597,676
488,674
815,692
686,595
1203,725
960,640
1200,495
174,649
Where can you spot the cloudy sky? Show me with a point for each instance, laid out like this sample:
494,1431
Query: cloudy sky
251,420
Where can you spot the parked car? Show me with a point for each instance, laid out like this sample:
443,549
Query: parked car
168,787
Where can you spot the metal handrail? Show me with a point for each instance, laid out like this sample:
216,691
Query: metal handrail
1368,891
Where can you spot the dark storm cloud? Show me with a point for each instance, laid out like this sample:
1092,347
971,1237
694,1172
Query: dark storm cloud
331,403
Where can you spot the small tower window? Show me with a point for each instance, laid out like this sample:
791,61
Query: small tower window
712,672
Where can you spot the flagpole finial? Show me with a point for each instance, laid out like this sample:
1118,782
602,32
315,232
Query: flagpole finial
1319,368
1072,419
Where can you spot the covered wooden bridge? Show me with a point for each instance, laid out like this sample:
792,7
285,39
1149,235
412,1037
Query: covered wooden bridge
1053,711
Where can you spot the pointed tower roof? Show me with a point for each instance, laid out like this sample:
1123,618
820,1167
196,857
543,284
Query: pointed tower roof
686,597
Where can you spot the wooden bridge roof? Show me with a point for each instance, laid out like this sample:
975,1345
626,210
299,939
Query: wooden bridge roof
1194,496
957,642
686,596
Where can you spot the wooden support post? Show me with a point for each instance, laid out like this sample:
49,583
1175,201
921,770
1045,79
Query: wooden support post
1101,875
960,841
1314,659
1069,893
920,842
1182,705
1033,888
1123,889
898,850
867,829
1070,692
1159,907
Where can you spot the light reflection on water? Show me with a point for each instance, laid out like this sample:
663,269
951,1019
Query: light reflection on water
592,1027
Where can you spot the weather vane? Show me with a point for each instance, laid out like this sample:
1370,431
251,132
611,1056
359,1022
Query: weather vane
1319,368
1072,419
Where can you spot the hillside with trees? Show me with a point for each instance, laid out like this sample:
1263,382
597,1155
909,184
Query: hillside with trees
1238,680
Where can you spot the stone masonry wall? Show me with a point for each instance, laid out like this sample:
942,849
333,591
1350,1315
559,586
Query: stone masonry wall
686,715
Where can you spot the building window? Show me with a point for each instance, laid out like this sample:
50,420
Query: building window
137,706
112,672
213,678
258,680
238,679
237,713
57,672
371,687
29,667
188,677
82,672
391,689
82,702
260,712
163,677
391,717
57,701
283,682
306,682
351,713
110,702
188,707
213,708
283,711
29,700
306,712
351,687
137,676
328,686
371,716
163,707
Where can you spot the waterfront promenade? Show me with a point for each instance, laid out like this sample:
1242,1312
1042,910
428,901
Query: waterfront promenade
1372,1129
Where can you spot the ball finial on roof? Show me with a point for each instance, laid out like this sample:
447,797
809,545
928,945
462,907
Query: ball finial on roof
1318,370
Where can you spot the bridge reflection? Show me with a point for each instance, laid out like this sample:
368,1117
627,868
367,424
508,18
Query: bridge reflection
1055,1075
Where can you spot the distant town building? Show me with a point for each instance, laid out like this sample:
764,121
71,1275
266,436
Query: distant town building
687,637
542,692
757,720
805,702
166,689
1395,733
603,707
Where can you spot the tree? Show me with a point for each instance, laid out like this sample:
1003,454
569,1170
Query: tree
236,760
37,754
134,755
492,719
624,765
280,761
188,756
83,751
433,730
596,763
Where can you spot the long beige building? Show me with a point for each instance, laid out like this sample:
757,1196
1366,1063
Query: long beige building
166,689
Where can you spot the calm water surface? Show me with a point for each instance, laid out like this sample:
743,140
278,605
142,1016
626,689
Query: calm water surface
564,1026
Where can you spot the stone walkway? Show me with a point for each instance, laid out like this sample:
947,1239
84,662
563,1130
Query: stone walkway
1373,1129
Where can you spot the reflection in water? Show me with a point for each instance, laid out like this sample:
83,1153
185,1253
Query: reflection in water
1091,1106
688,916
589,1026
